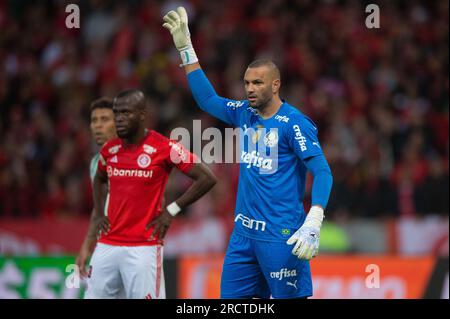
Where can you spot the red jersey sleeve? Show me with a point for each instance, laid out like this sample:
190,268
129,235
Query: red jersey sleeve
180,157
109,149
102,159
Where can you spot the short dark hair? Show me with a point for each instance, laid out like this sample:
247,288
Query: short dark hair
265,62
136,94
104,102
128,92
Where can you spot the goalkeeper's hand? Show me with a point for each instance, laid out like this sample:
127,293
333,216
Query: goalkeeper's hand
177,23
306,238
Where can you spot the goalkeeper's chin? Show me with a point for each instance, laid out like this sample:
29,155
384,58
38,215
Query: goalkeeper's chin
253,102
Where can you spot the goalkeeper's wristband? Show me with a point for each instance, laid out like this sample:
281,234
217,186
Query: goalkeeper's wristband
315,217
188,56
173,209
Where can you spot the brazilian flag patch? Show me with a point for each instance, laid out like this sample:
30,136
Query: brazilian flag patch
285,232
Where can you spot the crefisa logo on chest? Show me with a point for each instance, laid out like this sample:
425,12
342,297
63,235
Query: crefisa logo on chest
144,160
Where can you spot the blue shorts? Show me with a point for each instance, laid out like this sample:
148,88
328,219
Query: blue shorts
263,269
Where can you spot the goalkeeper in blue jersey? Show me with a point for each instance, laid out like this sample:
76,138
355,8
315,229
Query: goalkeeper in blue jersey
273,238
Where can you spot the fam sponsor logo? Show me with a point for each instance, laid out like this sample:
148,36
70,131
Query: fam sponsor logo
250,223
282,118
300,138
112,171
283,273
254,159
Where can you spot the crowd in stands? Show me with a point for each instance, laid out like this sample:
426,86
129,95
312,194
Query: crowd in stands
380,97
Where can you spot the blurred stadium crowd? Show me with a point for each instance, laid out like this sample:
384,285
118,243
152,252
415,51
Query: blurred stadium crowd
380,97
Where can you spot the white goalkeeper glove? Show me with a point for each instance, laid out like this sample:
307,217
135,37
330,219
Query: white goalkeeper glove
177,23
306,238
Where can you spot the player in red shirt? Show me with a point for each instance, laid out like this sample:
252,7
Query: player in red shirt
127,261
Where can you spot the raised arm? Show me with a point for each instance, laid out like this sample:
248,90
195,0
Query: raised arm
204,94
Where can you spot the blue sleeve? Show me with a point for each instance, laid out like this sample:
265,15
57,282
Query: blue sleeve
302,137
303,140
207,99
322,182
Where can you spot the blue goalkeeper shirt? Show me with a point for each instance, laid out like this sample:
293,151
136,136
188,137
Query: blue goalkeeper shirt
275,155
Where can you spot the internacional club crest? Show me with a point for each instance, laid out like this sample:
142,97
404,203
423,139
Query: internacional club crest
144,160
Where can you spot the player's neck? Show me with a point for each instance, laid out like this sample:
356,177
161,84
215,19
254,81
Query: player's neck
137,138
271,108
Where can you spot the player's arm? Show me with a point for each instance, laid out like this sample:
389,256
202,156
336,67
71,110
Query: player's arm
304,142
204,180
98,222
100,193
202,90
306,238
322,180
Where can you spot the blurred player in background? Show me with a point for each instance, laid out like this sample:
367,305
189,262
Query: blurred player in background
102,129
269,213
128,257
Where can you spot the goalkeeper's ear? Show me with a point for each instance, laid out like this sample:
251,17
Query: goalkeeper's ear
183,15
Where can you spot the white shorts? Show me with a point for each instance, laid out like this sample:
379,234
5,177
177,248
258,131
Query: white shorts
119,272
